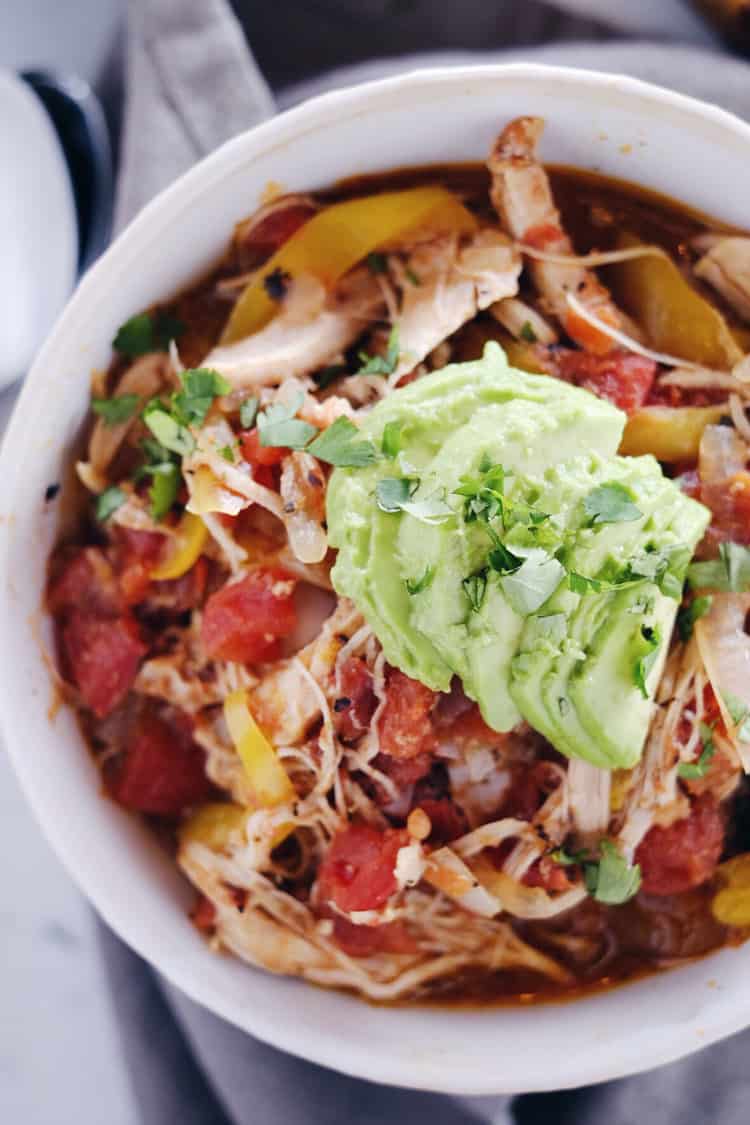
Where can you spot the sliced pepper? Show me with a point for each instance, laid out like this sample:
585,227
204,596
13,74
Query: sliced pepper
669,433
338,237
185,549
213,824
675,317
731,906
268,779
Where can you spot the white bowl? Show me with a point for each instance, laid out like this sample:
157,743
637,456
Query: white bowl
619,126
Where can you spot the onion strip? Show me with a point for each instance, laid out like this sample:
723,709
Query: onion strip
595,258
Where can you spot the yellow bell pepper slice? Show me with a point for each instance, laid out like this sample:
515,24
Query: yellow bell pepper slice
669,433
731,906
339,236
213,824
184,549
268,779
675,317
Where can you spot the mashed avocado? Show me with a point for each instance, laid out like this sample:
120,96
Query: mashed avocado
501,539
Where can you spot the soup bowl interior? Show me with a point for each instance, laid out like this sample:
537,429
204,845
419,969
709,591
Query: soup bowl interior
609,124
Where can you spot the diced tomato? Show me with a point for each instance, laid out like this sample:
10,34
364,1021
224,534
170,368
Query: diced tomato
184,593
203,915
355,706
448,819
161,771
102,655
620,377
256,454
86,581
547,874
358,871
405,726
243,621
276,228
137,553
684,854
365,941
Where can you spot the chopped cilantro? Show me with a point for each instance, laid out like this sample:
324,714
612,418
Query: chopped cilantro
611,503
731,571
581,584
165,483
227,453
378,364
390,443
504,561
527,332
475,588
377,263
739,713
115,410
650,640
692,770
278,427
342,445
611,880
392,493
569,859
170,433
147,332
248,412
108,502
200,386
417,585
691,613
529,587
411,276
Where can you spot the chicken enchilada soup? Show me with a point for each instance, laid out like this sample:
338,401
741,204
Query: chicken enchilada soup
408,596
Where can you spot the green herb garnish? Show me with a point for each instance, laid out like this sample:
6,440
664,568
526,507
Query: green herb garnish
475,588
378,364
611,503
649,642
278,427
377,263
611,880
108,502
168,431
417,585
341,444
691,613
730,572
390,443
412,276
114,411
692,770
248,412
200,386
147,332
527,333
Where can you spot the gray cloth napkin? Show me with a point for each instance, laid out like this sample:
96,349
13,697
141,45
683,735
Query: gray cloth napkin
192,82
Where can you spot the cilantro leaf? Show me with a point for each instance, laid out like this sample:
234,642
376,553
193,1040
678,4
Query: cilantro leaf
611,503
417,585
392,493
475,588
278,427
691,613
740,714
529,587
146,332
569,859
167,430
248,412
611,880
227,453
391,441
378,364
527,332
108,502
200,386
342,445
135,337
649,642
165,484
411,276
580,584
730,572
692,770
504,561
115,410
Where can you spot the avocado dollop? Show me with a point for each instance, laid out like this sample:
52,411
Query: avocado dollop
501,539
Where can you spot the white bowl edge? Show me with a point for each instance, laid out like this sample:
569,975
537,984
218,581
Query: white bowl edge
140,896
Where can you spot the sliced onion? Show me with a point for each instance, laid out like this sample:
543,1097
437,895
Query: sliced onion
522,901
449,874
724,647
595,258
631,344
588,793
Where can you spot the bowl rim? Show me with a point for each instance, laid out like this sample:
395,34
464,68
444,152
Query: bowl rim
727,1015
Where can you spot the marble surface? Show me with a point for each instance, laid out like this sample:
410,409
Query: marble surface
60,1059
